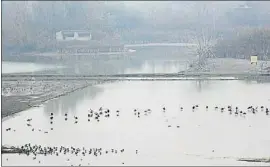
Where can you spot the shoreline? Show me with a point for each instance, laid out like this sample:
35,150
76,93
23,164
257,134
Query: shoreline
16,103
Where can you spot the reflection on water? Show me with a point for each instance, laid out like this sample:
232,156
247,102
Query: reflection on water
260,80
159,66
68,104
201,85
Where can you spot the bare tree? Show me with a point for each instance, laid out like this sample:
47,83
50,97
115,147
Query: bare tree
203,37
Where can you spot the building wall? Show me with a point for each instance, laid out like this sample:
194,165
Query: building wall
80,42
61,37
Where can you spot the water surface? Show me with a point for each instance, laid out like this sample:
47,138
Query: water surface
22,67
204,137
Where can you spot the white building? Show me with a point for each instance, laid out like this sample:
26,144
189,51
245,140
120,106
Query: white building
70,35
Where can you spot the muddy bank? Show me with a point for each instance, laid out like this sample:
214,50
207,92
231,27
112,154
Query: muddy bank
21,95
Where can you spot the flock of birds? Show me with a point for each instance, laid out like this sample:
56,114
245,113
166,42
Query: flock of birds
35,150
107,113
250,109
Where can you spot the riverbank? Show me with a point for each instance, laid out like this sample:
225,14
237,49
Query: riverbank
21,95
229,65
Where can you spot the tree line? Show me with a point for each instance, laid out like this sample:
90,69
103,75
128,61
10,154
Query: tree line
31,25
245,42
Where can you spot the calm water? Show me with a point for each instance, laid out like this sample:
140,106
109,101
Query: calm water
203,137
18,67
144,60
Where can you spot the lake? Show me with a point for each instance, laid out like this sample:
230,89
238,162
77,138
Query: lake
170,137
144,60
20,67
